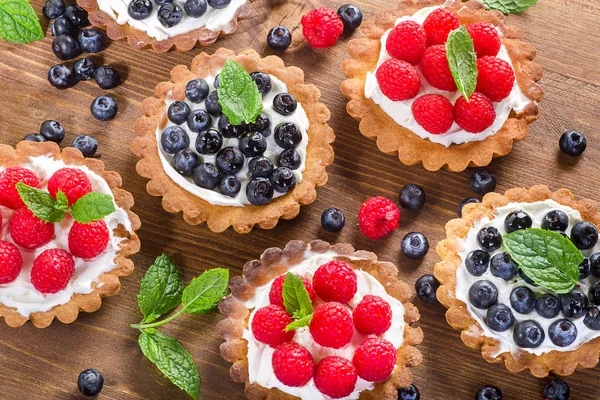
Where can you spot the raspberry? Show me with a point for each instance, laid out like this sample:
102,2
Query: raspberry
372,315
439,24
52,270
11,262
9,196
88,240
292,364
71,181
436,70
322,27
398,80
268,325
495,78
378,217
28,231
375,359
276,292
331,325
407,42
335,377
335,281
434,113
485,38
475,115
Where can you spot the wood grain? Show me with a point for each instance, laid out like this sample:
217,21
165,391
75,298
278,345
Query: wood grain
45,363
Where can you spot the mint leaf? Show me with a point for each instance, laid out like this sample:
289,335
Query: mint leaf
299,323
92,207
18,22
172,360
509,6
161,289
40,203
204,292
62,202
238,94
295,297
462,60
548,258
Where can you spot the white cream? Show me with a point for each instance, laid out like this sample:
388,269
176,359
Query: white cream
20,293
260,355
401,113
299,118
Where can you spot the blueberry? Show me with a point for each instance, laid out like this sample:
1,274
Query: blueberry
218,3
52,131
426,286
557,389
290,158
87,144
216,81
260,167
584,235
415,245
574,304
594,293
34,137
84,69
503,266
178,112
77,16
409,393
230,160
555,220
107,77
279,38
499,318
185,161
228,129
91,40
516,220
230,186
65,47
477,262
489,393
262,125
61,26
90,382
104,108
283,180
196,90
585,269
212,104
206,176
351,17
285,104
174,139
53,8
140,9
592,318
483,294
527,279
287,135
412,197
333,220
482,182
252,144
528,334
199,120
161,2
547,305
572,143
170,14
522,299
259,191
464,202
209,142
562,332
195,8
489,239
595,264
263,82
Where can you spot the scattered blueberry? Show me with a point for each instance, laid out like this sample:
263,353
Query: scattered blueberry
87,144
283,180
65,47
547,305
212,104
409,393
572,143
426,286
61,76
279,38
592,318
516,220
140,9
595,264
77,16
61,26
412,197
285,104
230,161
252,144
585,269
287,135
196,90
259,191
90,382
557,389
263,82
573,304
209,142
260,167
333,220
53,8
528,334
351,17
556,220
84,69
185,161
489,393
170,14
415,245
34,137
584,235
464,202
522,299
290,158
483,294
91,40
206,176
107,77
562,332
477,262
195,8
482,182
230,186
104,108
52,131
199,120
218,3
503,266
174,139
489,239
178,112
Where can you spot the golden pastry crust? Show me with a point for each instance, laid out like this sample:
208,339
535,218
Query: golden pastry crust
319,153
275,262
458,316
108,283
411,149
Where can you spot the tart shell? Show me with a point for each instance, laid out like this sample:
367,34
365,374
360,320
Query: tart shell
108,283
319,153
394,139
275,262
458,316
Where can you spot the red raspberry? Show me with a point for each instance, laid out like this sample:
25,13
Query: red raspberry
322,27
439,24
268,325
335,377
71,181
276,292
372,315
11,262
398,80
28,231
52,270
436,70
378,217
434,113
331,325
375,359
88,240
335,281
495,78
475,115
407,42
292,364
9,196
485,38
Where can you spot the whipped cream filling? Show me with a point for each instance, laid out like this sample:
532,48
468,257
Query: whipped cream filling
401,111
299,118
20,293
260,355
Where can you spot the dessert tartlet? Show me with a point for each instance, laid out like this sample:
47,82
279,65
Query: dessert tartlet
511,315
360,308
409,102
54,270
234,175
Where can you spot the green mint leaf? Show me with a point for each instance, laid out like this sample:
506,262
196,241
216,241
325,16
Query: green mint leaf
295,297
92,207
548,258
172,360
204,292
161,289
299,323
238,94
40,203
509,6
62,202
18,22
462,60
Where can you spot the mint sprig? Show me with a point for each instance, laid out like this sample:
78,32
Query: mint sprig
238,94
462,60
296,301
509,6
18,22
161,289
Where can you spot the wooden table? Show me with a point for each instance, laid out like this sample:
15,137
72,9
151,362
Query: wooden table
44,363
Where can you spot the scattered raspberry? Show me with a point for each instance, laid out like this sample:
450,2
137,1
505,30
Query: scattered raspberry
11,262
372,315
476,115
335,377
71,181
9,196
378,217
439,24
268,325
276,292
436,70
292,364
335,281
88,240
485,38
28,231
407,42
375,359
322,27
434,113
331,325
495,78
52,270
398,80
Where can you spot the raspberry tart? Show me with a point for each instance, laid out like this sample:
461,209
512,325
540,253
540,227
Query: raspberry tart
234,158
447,86
316,321
520,276
66,233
